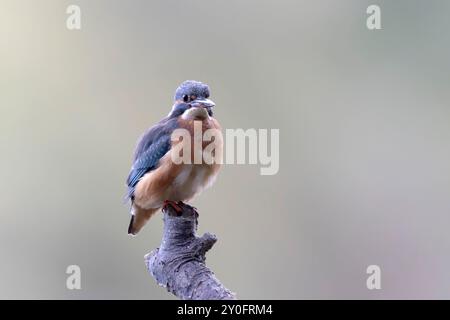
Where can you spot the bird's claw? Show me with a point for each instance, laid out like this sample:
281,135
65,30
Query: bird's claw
174,205
181,203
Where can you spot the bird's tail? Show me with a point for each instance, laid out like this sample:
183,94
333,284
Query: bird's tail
139,218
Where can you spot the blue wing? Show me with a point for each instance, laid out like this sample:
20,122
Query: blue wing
151,148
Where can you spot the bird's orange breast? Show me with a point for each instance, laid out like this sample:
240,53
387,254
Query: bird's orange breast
180,182
197,129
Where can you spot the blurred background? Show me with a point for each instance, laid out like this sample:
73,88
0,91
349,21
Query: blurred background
364,144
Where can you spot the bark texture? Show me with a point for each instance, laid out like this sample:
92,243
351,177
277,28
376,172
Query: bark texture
179,263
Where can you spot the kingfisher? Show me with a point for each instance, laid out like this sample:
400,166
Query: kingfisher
155,180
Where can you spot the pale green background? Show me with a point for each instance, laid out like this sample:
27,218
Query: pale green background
364,121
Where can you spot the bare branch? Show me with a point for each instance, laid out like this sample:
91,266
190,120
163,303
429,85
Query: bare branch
179,263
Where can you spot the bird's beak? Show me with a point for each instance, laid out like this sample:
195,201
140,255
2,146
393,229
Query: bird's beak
205,103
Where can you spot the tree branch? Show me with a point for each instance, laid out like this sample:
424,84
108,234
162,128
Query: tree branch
179,263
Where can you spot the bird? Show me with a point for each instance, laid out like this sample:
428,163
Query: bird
155,180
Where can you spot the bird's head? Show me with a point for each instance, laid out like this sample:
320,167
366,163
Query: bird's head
192,101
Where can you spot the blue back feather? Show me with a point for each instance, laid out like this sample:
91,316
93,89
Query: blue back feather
152,146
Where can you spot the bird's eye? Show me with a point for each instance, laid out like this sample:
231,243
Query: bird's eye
207,95
185,98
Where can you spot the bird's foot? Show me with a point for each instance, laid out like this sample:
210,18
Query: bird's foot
181,203
174,205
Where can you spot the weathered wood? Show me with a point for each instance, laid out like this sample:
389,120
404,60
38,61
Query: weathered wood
179,263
